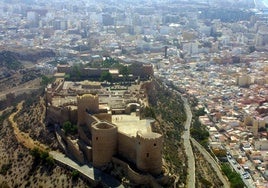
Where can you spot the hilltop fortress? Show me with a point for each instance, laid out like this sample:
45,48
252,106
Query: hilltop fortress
109,125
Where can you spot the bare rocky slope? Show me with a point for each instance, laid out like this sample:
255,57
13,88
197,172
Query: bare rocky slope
18,168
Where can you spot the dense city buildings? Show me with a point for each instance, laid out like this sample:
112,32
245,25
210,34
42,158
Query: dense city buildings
214,51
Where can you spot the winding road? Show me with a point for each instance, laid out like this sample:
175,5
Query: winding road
190,156
188,147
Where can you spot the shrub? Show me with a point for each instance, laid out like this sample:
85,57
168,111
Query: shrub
69,128
5,168
75,174
234,177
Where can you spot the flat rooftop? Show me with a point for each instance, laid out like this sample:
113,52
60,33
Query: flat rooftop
131,124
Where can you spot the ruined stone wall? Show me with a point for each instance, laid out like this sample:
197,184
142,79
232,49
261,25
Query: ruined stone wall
127,146
135,177
104,143
64,69
61,114
11,100
70,147
53,114
87,150
149,152
74,151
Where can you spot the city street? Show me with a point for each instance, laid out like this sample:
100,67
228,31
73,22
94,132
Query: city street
238,168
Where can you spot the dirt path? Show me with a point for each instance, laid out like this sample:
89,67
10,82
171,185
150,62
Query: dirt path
22,137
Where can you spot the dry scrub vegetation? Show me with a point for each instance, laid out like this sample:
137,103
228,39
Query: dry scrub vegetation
18,168
205,175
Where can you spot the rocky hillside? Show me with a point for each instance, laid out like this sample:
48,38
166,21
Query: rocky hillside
20,167
10,61
29,55
167,107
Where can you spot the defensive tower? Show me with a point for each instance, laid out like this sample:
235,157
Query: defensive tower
149,152
86,103
104,143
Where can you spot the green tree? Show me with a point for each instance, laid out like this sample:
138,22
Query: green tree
50,160
46,80
69,128
75,174
149,112
200,112
109,62
67,77
234,177
76,72
43,155
35,153
125,72
106,76
5,168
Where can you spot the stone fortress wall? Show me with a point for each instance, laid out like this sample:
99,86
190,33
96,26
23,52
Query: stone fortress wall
61,114
127,146
100,140
140,178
